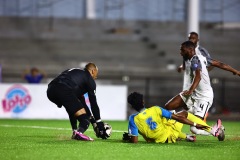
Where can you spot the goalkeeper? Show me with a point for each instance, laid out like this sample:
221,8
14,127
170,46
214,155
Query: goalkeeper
68,89
158,125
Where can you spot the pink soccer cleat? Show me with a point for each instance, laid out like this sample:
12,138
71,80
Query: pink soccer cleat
221,135
80,136
216,128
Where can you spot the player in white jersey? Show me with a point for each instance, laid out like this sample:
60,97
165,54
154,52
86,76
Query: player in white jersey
197,96
211,63
203,89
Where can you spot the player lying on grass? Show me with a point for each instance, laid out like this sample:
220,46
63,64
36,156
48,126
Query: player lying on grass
158,125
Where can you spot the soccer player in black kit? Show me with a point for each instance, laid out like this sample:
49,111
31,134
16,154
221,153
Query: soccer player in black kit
68,90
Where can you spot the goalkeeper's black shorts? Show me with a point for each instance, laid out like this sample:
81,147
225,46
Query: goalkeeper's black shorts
62,95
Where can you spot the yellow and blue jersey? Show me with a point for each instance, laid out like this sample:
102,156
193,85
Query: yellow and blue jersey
155,123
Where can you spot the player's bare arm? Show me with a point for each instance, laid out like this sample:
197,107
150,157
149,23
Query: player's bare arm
195,83
224,66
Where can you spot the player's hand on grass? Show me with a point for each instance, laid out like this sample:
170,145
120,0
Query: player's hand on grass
126,136
102,130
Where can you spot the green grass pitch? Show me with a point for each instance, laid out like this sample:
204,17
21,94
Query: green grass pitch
50,139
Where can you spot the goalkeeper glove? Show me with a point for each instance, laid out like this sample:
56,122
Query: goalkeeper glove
102,130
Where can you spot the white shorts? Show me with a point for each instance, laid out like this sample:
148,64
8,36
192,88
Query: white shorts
198,107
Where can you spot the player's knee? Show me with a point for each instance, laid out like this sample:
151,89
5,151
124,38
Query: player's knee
168,106
80,112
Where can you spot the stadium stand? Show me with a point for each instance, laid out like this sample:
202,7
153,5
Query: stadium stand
144,51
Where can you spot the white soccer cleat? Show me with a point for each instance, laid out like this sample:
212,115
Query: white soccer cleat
216,128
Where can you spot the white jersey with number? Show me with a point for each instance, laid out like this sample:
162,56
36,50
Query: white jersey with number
204,89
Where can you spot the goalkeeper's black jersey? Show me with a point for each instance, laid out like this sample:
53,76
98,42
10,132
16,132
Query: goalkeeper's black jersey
81,82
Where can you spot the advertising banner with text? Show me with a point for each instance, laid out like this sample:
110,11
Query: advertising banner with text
29,101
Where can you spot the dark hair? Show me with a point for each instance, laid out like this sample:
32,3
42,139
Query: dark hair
136,101
188,44
34,69
195,33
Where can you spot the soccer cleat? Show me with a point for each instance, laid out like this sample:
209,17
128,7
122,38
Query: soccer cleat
222,127
80,136
216,128
221,135
191,138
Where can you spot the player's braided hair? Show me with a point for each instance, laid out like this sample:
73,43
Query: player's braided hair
136,100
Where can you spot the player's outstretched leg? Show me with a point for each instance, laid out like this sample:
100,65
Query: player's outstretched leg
80,136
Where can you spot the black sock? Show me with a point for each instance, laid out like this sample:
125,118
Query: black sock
83,122
73,122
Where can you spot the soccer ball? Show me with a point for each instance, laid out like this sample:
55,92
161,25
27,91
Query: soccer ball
108,128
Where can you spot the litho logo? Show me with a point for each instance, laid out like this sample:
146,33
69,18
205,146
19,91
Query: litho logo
16,99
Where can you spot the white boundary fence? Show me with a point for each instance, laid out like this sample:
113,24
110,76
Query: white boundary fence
29,101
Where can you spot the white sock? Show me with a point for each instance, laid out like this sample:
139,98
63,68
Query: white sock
199,131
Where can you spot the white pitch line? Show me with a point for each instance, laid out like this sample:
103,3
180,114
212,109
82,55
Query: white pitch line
44,127
54,128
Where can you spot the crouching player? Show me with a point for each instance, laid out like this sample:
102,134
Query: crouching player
158,125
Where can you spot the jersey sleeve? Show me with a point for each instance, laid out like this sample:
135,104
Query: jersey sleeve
93,100
195,63
132,127
165,113
206,54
